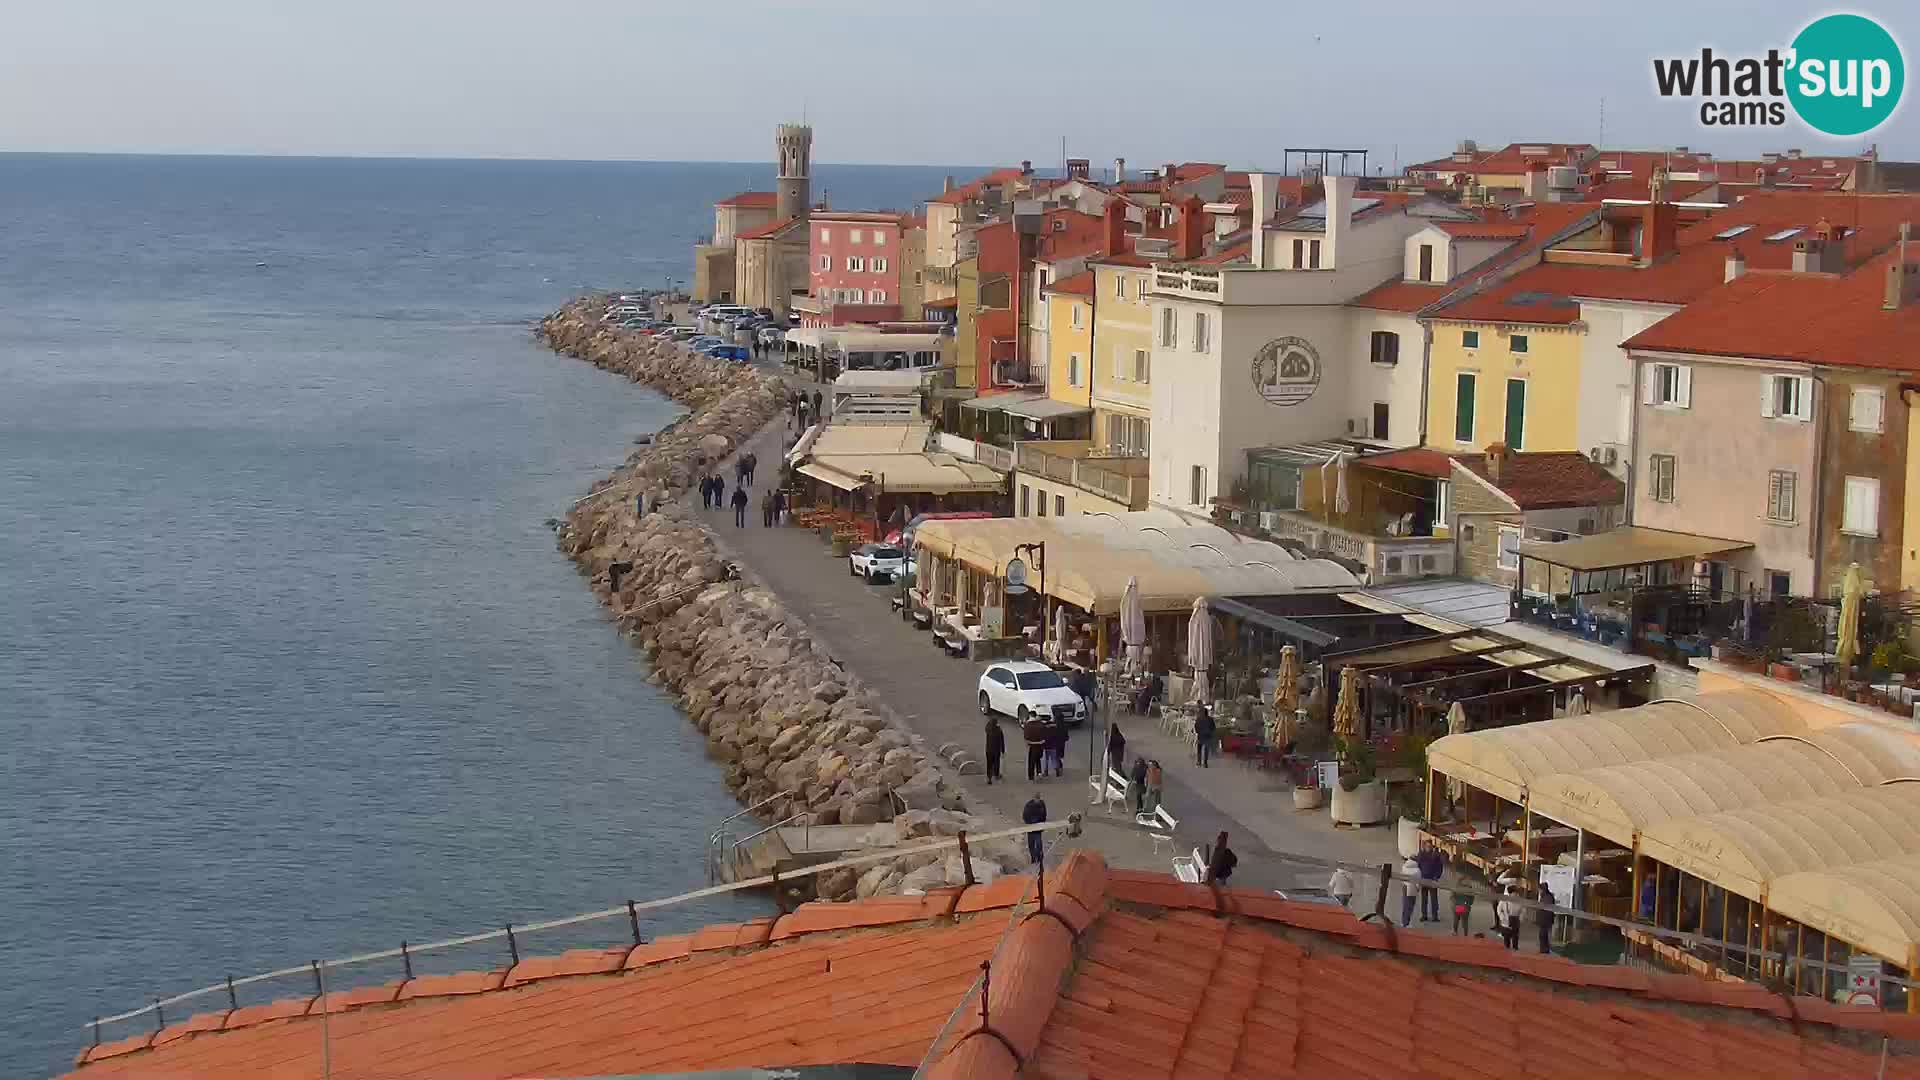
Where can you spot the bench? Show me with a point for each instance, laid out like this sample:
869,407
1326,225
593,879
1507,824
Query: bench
1158,819
1111,789
1190,868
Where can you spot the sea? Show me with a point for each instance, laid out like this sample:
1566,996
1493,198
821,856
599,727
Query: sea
290,668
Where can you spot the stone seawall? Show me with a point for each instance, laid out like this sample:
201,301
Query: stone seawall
785,721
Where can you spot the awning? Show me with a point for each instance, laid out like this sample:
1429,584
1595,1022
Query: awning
999,402
831,477
1873,906
1047,409
932,474
1505,761
1630,545
1744,851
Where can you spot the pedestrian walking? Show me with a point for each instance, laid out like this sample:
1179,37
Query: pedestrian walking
1221,861
1137,783
816,403
1202,734
706,493
740,508
1116,748
1462,909
1057,747
1433,865
996,746
1340,886
1408,884
1156,786
1543,918
1082,684
640,504
766,510
1034,733
780,506
753,462
1034,813
1508,914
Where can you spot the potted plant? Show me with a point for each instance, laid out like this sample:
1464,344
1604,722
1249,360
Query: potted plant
1307,794
1359,798
1410,800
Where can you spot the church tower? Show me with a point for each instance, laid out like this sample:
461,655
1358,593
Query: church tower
794,146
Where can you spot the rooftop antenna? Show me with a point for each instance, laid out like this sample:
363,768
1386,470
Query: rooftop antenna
1603,122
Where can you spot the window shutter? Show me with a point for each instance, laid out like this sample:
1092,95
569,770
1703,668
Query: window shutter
1684,388
1803,404
1649,383
1766,395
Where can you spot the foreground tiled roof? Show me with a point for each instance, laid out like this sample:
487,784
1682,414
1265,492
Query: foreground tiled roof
1124,975
1810,318
763,200
1548,480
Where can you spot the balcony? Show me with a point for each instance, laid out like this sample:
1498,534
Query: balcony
1385,559
1153,247
1189,283
1075,461
1011,373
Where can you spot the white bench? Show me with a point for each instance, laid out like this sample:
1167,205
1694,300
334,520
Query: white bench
1158,819
1190,868
1112,789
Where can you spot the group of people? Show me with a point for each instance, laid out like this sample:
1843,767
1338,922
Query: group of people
1420,877
805,409
713,493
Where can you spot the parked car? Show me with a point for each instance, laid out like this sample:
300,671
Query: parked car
876,562
739,353
1024,688
772,335
704,340
680,333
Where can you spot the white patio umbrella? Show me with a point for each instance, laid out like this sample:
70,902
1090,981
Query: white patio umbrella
1133,627
1060,632
1341,503
1200,648
1456,725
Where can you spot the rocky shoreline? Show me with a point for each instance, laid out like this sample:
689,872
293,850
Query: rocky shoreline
786,722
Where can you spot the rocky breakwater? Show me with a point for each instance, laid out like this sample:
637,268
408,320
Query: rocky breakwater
786,722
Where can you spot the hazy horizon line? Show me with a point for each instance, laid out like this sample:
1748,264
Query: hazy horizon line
768,163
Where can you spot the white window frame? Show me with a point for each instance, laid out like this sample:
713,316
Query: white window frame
826,235
1079,316
876,296
1469,344
1872,401
1787,397
880,237
1661,493
856,264
1861,508
1169,328
1202,333
1666,386
1500,548
879,264
826,262
1443,504
1142,366
1119,286
1473,414
1073,369
1783,496
853,236
1520,343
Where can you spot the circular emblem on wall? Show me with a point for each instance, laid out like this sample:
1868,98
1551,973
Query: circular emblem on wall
1286,370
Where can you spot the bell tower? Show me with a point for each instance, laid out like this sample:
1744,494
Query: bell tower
793,144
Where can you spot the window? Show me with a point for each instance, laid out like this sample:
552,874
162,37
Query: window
1380,420
856,263
1788,397
879,237
1197,484
1142,366
1169,328
1041,501
1299,254
1119,286
1779,582
1670,385
1385,347
1201,339
1313,254
1862,516
1518,343
1464,387
1660,477
1780,495
1426,262
1469,339
1079,316
826,236
1516,414
1868,411
826,262
876,296
1509,547
1073,369
1442,503
879,265
1026,493
853,236
1059,506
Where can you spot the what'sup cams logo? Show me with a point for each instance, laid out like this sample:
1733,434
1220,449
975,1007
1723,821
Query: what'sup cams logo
1842,75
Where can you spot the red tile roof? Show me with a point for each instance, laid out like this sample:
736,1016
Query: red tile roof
1230,253
949,302
770,229
1124,975
973,188
1080,284
1536,225
1404,296
1418,460
1808,318
1127,258
1485,230
1549,480
762,200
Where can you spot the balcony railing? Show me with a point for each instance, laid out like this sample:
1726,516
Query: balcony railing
1114,484
1122,479
945,276
1032,459
1197,284
1386,558
1011,373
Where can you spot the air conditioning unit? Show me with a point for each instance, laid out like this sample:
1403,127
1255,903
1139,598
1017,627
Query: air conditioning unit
1612,456
1269,520
1593,455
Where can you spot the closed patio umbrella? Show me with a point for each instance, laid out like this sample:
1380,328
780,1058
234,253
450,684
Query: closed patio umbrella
1286,698
1346,711
1060,632
1456,725
1341,503
1133,627
1200,648
1577,703
1846,648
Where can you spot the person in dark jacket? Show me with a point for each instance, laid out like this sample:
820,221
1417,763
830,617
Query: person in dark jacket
1543,919
1084,684
1432,866
1034,813
752,462
719,492
706,493
1221,861
1203,730
996,746
739,508
1116,748
816,403
1462,909
1137,783
1034,732
766,510
1057,747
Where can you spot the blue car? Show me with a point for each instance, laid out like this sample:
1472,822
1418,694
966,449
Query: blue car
731,352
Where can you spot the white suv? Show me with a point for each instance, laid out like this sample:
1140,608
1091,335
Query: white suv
1023,688
877,562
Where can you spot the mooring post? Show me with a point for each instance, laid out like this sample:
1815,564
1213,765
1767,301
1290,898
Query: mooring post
319,984
633,920
966,859
986,980
406,960
513,947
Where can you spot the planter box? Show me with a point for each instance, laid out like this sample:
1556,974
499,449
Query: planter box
1785,672
1306,798
1366,804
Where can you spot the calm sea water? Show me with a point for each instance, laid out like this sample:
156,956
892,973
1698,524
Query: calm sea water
289,666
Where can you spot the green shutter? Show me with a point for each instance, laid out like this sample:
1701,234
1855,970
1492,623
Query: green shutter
1463,408
1516,412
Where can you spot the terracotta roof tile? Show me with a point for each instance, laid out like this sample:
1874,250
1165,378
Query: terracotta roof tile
249,1015
347,999
1080,284
1549,479
774,228
198,1022
576,962
763,200
456,985
1419,461
659,950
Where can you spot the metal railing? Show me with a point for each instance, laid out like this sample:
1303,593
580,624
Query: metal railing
740,846
722,835
1032,459
513,934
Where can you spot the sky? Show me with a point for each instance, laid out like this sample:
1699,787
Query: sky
882,81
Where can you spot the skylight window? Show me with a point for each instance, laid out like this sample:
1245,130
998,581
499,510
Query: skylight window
1785,234
1728,234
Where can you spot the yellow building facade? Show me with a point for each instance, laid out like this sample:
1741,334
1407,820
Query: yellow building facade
1070,342
1122,352
1512,383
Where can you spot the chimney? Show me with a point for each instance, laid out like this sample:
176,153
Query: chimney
1077,168
1902,276
1660,222
1496,460
1026,168
1339,200
1191,242
949,184
1537,181
1736,264
1262,189
1821,251
1119,170
1114,222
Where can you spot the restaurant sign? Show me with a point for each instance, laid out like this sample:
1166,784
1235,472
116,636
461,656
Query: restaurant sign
1286,371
